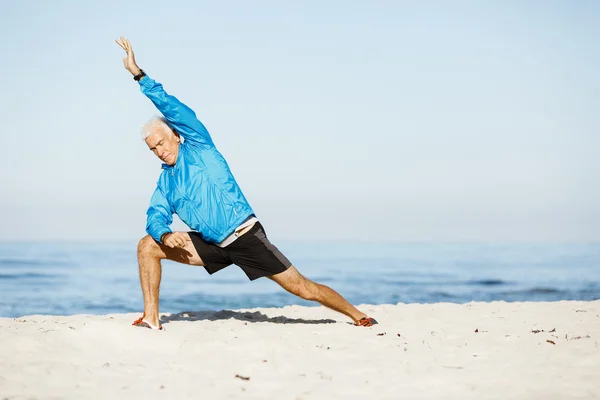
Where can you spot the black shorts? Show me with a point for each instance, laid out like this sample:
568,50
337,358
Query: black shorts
252,252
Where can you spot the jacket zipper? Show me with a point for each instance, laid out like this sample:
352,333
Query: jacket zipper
189,203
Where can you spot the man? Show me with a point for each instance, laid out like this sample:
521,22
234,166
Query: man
197,185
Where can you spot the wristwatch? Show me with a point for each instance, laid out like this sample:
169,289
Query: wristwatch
140,75
162,237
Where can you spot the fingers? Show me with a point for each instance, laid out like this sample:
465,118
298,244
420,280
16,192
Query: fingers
129,48
178,240
182,240
125,45
173,243
120,43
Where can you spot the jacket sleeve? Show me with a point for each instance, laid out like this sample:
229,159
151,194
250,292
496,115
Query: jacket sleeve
180,117
159,215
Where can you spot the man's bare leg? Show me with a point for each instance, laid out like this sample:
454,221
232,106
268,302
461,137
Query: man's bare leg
292,281
150,253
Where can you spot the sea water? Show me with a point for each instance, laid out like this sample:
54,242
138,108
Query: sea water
93,278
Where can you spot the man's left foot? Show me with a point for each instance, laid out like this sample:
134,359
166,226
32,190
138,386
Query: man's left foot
366,321
142,323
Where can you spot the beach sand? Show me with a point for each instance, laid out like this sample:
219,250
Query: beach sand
478,351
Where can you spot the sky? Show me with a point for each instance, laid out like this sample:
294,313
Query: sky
341,120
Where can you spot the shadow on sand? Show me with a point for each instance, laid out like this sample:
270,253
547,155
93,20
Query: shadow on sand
242,316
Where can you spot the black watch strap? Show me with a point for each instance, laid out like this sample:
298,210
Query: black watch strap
140,75
162,237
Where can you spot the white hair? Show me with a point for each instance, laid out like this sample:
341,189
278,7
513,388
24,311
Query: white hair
155,122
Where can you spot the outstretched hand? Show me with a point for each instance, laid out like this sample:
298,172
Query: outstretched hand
129,61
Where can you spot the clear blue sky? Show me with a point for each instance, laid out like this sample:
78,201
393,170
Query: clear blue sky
396,121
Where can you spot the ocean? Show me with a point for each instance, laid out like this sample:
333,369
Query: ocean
89,278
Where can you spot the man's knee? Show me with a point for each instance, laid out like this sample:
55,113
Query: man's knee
292,281
147,246
306,289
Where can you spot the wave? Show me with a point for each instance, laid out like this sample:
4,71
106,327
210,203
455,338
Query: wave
489,282
20,262
31,262
477,282
537,290
29,275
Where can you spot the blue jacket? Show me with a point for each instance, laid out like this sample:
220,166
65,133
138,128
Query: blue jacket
199,188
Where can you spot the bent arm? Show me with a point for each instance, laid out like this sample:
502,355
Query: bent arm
181,117
159,215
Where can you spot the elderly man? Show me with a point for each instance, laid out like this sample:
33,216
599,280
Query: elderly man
198,186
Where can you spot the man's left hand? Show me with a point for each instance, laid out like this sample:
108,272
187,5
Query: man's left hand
129,61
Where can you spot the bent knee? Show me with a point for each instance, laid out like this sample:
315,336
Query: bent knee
147,245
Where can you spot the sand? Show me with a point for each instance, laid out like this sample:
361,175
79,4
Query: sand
435,351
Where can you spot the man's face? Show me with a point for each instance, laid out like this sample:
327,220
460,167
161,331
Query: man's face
164,144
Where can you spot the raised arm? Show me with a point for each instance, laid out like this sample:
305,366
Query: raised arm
178,115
